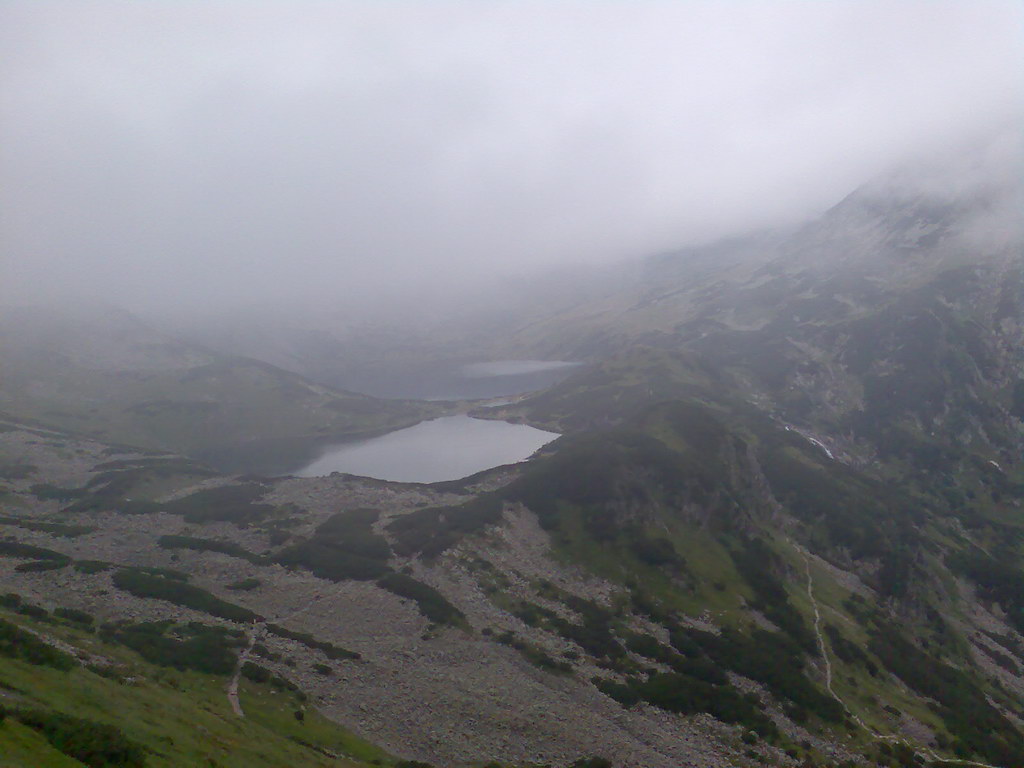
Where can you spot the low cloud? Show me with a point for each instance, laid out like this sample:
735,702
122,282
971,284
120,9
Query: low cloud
198,155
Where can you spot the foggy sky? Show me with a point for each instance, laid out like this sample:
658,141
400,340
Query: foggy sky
197,154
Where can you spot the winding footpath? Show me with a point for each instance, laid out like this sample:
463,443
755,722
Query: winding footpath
828,681
236,706
259,627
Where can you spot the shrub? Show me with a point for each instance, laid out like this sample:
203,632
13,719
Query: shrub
142,584
343,547
330,650
46,491
687,695
431,603
16,643
97,745
259,674
28,551
209,545
963,707
535,655
245,585
92,566
767,657
75,615
41,565
194,646
231,503
328,562
57,529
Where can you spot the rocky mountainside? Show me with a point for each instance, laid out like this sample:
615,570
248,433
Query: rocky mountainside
783,526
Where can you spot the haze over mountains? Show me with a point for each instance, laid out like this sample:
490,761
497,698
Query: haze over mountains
783,523
756,271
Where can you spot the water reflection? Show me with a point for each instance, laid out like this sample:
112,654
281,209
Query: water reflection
441,449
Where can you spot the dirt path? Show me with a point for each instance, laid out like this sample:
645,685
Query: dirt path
236,706
256,634
828,681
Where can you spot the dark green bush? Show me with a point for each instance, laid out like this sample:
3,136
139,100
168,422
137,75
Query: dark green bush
999,581
28,551
431,603
16,643
262,675
343,547
41,565
97,745
57,529
245,585
231,503
330,650
327,562
535,655
143,584
595,634
92,566
978,726
193,646
688,695
758,565
433,529
46,491
209,545
74,615
624,694
767,657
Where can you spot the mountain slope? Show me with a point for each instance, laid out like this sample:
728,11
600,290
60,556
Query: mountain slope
783,525
104,373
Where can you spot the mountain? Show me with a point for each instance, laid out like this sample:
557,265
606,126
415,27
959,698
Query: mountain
102,372
782,526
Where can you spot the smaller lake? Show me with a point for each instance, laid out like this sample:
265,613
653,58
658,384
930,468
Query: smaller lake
448,448
448,379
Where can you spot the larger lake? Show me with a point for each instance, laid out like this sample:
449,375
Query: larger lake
448,448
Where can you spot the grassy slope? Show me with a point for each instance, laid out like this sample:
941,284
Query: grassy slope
180,718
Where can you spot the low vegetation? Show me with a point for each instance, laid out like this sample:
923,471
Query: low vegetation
195,646
209,545
161,587
430,602
229,503
330,650
343,547
97,745
18,643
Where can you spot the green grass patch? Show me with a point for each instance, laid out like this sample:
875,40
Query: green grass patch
178,718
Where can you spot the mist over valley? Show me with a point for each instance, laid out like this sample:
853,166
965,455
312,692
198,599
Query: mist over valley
531,384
